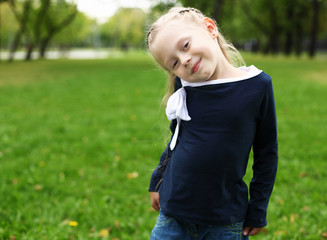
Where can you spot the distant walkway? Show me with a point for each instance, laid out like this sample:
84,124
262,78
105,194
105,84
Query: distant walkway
71,54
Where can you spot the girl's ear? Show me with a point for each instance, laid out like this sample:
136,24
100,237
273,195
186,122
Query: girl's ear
211,27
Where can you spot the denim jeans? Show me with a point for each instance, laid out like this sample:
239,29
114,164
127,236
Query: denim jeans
168,228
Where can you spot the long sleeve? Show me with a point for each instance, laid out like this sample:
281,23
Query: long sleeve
158,173
265,154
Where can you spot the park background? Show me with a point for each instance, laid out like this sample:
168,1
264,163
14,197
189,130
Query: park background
82,128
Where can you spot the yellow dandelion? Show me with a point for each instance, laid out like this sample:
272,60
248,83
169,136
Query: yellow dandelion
38,187
281,232
292,217
14,181
132,175
117,224
117,158
104,233
72,223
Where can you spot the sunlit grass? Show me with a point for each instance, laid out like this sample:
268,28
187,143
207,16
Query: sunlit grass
79,140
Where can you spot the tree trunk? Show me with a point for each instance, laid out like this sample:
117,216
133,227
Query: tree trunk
289,28
300,18
29,51
253,18
275,32
299,40
14,45
288,43
314,28
45,4
217,9
22,20
52,30
43,46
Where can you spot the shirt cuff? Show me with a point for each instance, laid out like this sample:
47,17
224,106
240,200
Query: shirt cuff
256,217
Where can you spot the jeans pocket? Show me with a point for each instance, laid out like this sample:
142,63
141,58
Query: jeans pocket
163,220
234,231
235,227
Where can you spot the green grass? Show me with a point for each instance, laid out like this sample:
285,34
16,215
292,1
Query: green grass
79,140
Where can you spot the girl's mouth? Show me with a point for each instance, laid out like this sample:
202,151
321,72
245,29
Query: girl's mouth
196,66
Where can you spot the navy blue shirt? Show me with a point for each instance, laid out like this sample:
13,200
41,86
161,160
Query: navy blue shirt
203,181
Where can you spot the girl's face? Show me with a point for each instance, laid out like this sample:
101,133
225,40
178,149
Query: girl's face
188,50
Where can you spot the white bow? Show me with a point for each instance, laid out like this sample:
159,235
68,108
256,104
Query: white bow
177,109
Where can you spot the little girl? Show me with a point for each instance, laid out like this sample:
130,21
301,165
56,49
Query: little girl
218,112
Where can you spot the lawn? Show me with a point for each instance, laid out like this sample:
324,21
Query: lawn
79,140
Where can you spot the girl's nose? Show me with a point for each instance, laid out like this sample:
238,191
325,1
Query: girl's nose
187,60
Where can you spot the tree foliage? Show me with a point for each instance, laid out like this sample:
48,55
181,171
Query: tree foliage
125,28
157,10
8,25
79,33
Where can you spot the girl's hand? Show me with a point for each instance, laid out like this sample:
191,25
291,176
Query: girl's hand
251,231
154,197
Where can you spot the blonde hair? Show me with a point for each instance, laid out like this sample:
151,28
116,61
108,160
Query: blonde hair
195,16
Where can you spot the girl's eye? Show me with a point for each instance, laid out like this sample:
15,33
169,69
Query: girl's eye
175,64
186,45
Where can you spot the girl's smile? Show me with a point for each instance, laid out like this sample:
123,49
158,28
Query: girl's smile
196,66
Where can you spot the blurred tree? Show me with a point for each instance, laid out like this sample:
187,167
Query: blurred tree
268,24
314,27
59,16
51,17
295,25
39,21
162,7
157,10
125,28
78,34
22,14
38,16
7,27
211,8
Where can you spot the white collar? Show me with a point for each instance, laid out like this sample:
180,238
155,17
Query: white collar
252,72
